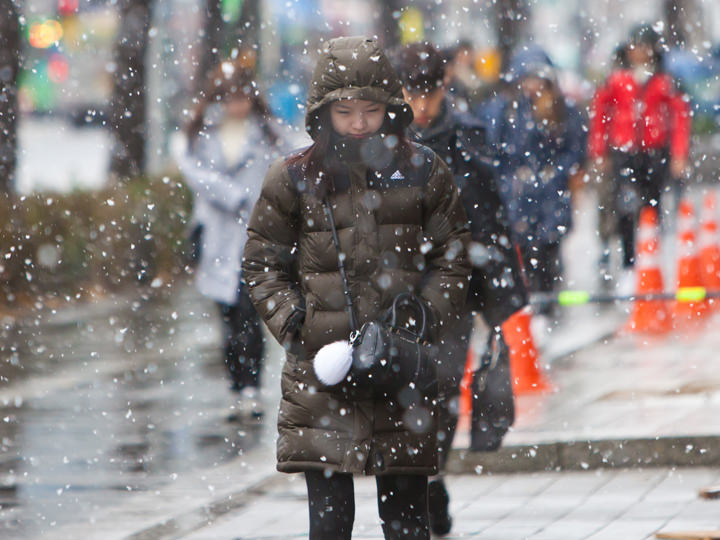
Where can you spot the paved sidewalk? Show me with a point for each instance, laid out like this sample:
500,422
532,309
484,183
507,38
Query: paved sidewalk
630,400
598,505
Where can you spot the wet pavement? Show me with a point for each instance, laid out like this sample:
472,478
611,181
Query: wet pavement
99,401
114,420
627,401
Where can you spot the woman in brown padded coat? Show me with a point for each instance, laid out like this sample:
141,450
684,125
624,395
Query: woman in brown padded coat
401,228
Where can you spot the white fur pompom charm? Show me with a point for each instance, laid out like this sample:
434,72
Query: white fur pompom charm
332,362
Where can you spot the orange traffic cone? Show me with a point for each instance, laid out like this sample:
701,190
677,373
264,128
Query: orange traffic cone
689,273
526,375
709,246
465,405
472,364
649,316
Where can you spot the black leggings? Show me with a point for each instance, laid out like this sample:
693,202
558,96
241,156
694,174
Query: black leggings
402,505
244,345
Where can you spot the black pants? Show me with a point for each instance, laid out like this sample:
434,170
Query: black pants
638,180
543,266
493,405
244,346
402,505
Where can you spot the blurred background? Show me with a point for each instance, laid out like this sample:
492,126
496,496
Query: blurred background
103,400
78,57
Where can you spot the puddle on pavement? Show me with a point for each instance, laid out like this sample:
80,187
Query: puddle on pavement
105,399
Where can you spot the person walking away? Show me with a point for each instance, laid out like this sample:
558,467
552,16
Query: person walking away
539,141
603,182
640,134
401,228
231,142
496,288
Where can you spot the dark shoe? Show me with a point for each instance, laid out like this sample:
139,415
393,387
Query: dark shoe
438,508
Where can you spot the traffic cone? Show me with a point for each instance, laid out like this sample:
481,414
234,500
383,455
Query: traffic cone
709,246
472,364
465,405
689,273
526,375
648,316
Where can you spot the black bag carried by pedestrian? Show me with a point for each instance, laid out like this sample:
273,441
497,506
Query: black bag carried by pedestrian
387,357
493,405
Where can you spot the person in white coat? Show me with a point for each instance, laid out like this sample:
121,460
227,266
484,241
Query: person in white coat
231,141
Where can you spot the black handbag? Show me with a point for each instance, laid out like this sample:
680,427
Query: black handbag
493,405
387,357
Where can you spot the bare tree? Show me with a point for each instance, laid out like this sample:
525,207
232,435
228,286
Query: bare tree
10,58
218,36
128,109
247,32
210,42
388,26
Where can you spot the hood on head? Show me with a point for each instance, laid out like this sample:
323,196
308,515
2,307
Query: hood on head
354,68
530,61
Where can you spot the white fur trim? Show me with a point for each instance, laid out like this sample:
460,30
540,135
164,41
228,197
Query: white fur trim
332,362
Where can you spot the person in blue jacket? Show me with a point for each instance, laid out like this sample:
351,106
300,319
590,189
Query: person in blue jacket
539,142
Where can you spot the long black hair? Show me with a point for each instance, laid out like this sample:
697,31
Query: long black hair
230,79
645,34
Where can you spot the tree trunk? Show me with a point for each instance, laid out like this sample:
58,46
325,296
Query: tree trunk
512,17
247,33
128,109
10,55
388,28
210,42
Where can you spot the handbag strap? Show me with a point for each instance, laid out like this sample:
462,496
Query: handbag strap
341,266
412,302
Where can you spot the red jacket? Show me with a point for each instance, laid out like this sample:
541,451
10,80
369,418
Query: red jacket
630,116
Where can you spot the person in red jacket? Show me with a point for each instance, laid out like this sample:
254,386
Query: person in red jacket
639,131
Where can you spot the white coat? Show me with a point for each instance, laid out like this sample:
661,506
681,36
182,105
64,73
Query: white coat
224,196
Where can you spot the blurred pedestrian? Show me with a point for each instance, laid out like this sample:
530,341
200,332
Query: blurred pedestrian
231,141
639,134
604,185
461,80
496,289
539,140
400,227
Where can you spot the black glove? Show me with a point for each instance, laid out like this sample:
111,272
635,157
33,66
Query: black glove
291,331
294,323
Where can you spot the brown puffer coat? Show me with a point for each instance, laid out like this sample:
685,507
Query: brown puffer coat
401,228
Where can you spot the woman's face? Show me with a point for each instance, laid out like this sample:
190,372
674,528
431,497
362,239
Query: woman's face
357,118
639,54
238,107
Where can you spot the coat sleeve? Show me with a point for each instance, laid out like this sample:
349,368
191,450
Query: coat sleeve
572,152
680,126
219,189
269,261
599,119
445,236
497,289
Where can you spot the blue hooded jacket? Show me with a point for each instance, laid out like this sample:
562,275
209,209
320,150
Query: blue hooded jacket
534,161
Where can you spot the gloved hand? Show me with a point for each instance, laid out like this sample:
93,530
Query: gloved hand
294,322
291,330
